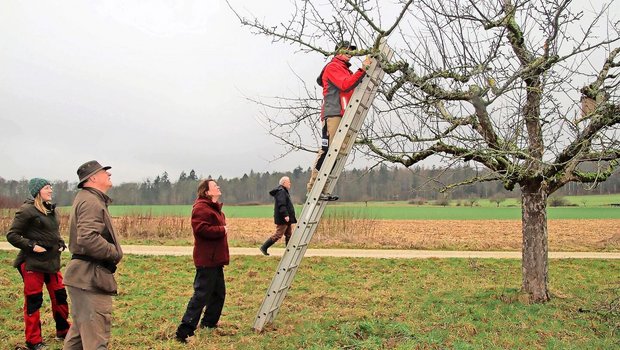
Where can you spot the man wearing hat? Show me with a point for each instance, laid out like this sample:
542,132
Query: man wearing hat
96,251
338,83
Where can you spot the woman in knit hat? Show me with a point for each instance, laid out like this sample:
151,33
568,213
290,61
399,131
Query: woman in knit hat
35,232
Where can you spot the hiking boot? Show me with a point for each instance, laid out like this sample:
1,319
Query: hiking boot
38,346
210,326
328,197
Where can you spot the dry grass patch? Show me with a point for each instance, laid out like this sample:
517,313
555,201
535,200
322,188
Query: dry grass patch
342,231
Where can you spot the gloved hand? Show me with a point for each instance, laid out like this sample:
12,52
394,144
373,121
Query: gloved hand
367,63
109,265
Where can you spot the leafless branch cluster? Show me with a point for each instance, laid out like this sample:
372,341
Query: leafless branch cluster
316,26
526,88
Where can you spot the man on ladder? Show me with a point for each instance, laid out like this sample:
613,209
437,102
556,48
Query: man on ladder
356,97
338,83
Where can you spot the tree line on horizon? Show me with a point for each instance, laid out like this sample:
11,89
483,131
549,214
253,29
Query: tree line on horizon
381,183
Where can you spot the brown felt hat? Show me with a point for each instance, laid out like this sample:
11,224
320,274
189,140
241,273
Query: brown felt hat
89,169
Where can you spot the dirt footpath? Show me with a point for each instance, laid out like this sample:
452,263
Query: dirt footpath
374,253
358,253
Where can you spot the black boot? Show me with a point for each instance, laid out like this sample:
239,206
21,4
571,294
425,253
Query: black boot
268,243
184,331
328,197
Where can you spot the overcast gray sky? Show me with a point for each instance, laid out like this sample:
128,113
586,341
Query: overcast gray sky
145,86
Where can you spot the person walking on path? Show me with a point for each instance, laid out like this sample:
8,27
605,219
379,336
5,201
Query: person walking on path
96,252
283,214
338,83
35,232
210,255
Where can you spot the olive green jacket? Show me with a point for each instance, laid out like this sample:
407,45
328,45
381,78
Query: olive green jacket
30,227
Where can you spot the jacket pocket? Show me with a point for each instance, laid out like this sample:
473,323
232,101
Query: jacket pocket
47,255
104,280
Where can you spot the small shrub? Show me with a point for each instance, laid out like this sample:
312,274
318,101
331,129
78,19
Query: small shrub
497,199
473,202
444,202
417,201
559,201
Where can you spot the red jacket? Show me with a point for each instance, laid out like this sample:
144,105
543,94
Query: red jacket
210,240
338,84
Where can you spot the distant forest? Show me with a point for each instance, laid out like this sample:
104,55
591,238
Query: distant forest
382,183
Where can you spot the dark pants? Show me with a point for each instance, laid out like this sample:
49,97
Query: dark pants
33,292
209,291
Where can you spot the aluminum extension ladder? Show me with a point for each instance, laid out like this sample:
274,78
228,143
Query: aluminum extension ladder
332,166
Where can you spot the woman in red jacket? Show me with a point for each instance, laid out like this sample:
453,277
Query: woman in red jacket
35,232
210,256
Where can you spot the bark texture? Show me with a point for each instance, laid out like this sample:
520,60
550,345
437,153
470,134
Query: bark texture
535,246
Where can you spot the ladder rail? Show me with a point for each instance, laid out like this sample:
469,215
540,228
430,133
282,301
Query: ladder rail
295,250
332,166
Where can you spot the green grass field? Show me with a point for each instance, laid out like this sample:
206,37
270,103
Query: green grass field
352,303
594,200
582,201
390,211
585,207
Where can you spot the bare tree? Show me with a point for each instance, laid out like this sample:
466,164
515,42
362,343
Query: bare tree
524,88
498,198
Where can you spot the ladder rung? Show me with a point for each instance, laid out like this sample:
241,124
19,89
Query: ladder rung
288,269
296,246
282,289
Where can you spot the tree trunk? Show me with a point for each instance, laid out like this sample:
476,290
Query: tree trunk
535,242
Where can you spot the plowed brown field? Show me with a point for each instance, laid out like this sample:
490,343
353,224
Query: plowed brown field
564,235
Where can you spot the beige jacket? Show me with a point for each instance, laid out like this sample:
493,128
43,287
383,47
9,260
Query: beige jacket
91,234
